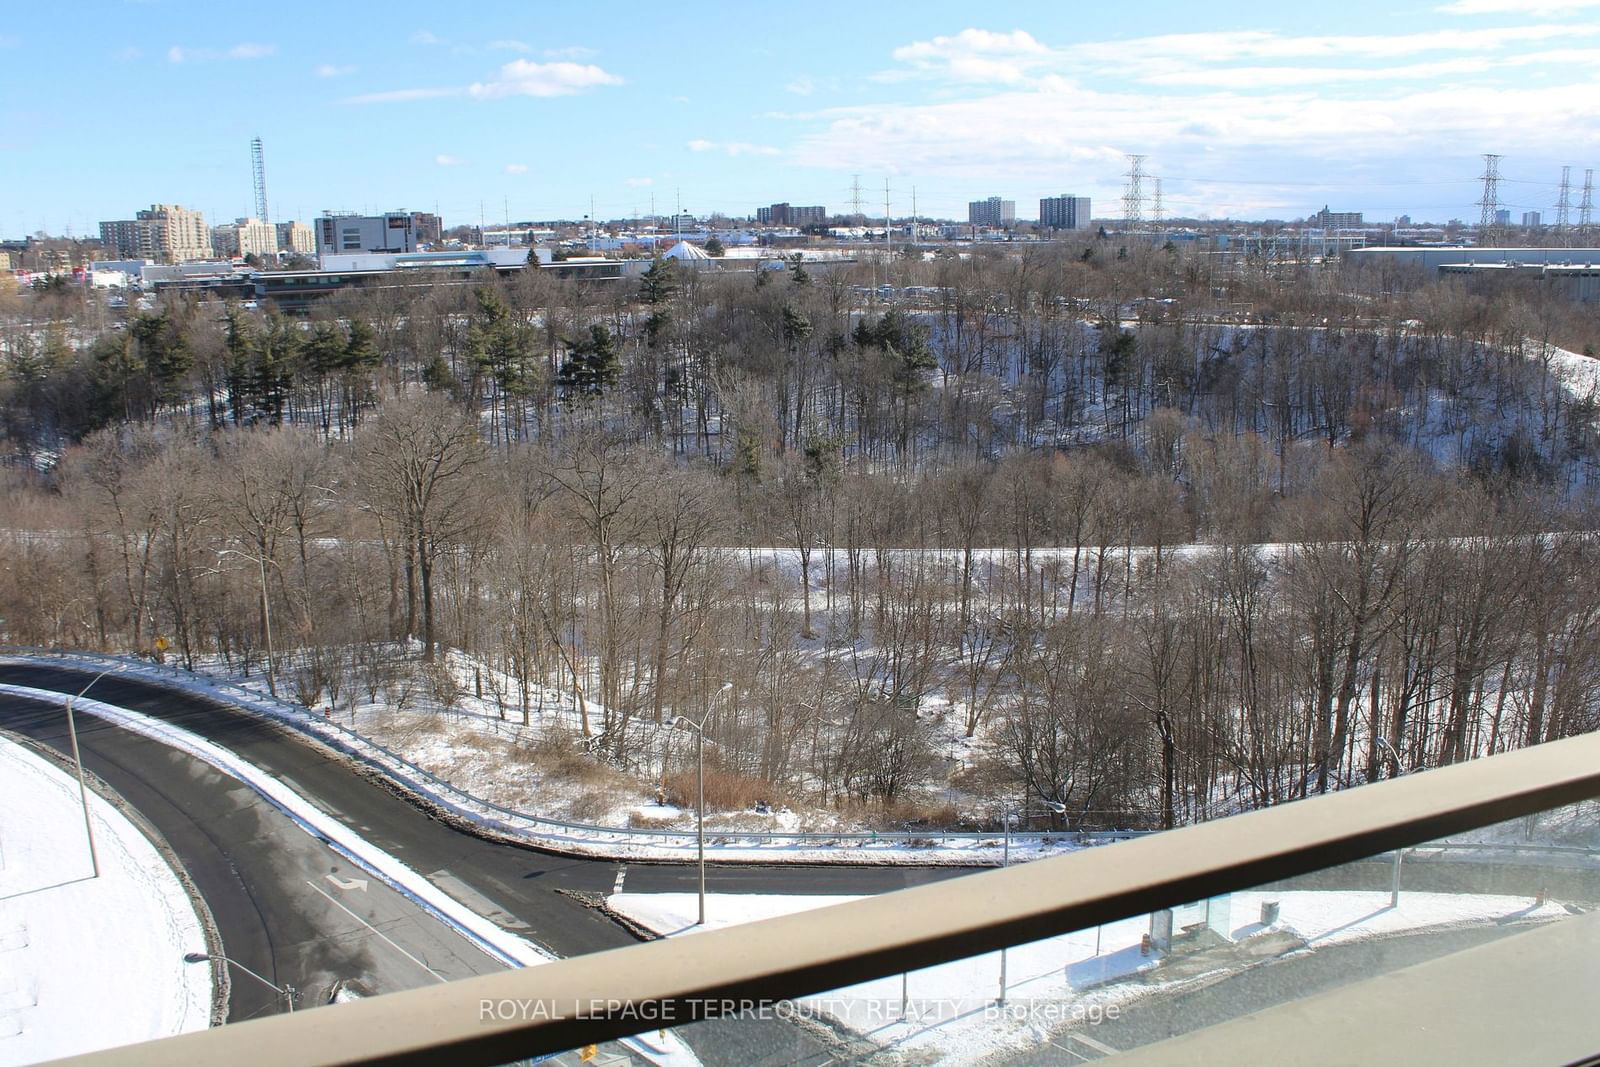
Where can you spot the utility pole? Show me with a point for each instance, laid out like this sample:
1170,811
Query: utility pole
1488,218
888,229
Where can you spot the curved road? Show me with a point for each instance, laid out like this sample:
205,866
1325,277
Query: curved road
279,911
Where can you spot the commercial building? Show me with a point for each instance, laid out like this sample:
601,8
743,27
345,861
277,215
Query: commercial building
992,212
1531,219
166,232
340,234
1064,212
790,215
296,238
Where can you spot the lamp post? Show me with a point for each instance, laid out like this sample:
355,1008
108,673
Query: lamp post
286,991
699,729
77,763
1005,861
1394,876
266,610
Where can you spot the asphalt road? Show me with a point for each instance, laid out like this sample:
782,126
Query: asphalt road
268,896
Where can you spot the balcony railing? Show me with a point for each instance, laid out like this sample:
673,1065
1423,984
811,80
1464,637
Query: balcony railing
576,1002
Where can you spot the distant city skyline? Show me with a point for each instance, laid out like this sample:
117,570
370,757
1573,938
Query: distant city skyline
496,110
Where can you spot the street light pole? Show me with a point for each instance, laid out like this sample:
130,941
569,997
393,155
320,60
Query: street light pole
286,991
700,786
77,763
266,611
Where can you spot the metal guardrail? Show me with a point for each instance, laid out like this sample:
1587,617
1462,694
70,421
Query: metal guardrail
570,1003
556,832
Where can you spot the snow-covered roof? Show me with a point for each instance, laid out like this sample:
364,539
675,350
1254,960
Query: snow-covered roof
686,252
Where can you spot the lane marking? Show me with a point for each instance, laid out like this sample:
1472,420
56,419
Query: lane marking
1100,1047
622,872
348,883
374,929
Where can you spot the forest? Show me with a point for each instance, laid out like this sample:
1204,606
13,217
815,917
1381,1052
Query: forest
1140,531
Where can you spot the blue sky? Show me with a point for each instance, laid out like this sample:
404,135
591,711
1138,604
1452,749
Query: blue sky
533,107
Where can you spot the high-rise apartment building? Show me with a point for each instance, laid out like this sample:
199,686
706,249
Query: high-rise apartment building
429,227
166,232
1064,212
790,215
257,237
1336,220
296,237
992,212
1532,219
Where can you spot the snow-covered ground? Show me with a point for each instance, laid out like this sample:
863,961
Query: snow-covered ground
951,1011
501,944
765,839
87,963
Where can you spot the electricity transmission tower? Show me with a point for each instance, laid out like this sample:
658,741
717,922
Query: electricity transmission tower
1563,200
1490,203
855,201
1133,193
258,169
1156,212
1586,205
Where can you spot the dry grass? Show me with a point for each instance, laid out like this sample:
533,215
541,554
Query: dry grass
724,791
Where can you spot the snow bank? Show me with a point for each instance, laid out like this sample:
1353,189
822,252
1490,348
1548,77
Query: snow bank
87,963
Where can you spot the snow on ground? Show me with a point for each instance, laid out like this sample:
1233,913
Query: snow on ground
771,842
87,963
501,944
951,1011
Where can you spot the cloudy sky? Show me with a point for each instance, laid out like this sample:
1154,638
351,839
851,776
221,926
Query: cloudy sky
532,108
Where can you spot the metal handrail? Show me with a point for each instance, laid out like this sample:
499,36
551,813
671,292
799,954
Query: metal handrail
569,1003
378,756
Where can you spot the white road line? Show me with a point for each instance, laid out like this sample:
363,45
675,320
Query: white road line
622,872
1103,1049
375,930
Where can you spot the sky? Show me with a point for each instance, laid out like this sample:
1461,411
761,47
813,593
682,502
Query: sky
538,109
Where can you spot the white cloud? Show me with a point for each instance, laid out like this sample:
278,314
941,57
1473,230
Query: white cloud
1234,46
1536,8
427,37
396,96
516,168
640,183
574,51
975,55
523,77
520,77
511,46
246,50
733,148
448,161
802,87
328,70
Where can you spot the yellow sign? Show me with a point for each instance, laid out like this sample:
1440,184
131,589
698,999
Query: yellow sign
161,644
589,1052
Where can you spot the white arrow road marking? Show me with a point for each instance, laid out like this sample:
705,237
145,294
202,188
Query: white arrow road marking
375,930
348,883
